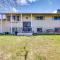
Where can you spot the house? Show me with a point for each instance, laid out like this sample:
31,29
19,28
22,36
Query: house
29,23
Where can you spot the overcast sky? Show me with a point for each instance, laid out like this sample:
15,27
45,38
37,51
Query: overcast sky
29,5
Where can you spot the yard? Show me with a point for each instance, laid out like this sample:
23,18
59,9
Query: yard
40,47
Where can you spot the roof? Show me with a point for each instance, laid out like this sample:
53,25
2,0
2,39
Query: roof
31,13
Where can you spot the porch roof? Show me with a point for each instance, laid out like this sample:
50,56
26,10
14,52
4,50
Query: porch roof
33,13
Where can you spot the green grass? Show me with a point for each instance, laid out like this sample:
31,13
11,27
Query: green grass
38,47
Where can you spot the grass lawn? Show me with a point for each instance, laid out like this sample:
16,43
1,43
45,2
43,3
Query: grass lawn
40,47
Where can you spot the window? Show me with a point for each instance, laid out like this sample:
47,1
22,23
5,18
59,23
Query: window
26,24
14,29
17,18
56,17
39,29
13,17
39,18
8,18
27,27
57,29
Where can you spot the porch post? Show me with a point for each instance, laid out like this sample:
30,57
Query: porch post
11,23
21,17
21,22
31,20
16,23
1,22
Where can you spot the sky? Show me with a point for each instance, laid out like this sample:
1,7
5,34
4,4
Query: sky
40,6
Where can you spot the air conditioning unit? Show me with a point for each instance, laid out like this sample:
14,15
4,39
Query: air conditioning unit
2,17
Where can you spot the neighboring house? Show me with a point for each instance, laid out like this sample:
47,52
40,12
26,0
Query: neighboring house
29,23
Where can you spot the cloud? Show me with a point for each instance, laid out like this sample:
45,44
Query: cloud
54,11
13,10
25,2
31,1
22,2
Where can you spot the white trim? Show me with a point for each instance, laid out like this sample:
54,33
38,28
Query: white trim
21,17
1,23
21,22
11,23
16,20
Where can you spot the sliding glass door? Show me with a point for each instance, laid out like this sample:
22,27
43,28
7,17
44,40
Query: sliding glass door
27,27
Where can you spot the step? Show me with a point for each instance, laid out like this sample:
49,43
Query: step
25,34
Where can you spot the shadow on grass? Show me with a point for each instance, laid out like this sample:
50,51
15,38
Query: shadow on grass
44,34
31,35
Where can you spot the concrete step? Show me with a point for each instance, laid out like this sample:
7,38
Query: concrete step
24,34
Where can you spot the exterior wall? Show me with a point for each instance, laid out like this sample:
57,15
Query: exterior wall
15,23
24,17
48,18
6,26
47,23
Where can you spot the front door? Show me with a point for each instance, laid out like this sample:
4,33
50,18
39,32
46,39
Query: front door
27,27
